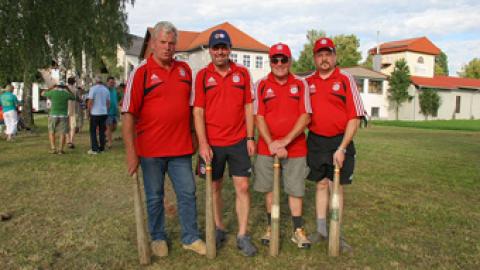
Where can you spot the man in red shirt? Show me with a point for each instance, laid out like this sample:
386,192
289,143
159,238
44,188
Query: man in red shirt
157,134
337,110
223,117
282,109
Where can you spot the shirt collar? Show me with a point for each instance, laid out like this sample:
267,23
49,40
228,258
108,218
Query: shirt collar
232,67
271,78
334,74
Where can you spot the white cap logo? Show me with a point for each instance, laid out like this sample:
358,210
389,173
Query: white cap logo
324,41
279,47
219,35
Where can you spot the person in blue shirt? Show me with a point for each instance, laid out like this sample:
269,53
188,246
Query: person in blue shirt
9,104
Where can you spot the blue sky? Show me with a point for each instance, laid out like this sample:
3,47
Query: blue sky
452,25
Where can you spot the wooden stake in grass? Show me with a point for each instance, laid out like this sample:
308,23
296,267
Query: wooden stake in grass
142,237
275,238
209,217
334,233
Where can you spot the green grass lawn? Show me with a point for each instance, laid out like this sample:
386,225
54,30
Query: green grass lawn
467,125
414,204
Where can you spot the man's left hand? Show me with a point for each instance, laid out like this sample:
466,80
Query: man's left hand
338,158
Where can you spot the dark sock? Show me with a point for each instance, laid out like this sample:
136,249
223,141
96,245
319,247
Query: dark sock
269,219
297,222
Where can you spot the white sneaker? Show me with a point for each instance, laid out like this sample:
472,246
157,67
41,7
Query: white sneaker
91,152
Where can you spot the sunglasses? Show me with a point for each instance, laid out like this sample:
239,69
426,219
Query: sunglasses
275,60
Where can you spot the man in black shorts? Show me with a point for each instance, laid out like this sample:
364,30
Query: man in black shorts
223,116
336,112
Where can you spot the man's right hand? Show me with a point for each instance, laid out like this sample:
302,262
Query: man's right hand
205,151
132,163
282,153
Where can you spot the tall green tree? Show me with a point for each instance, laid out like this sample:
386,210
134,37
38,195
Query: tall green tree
441,64
35,32
471,70
429,102
346,45
399,82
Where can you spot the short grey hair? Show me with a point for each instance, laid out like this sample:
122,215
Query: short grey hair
166,27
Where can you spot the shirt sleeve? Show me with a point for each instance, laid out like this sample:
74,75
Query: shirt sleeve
304,104
197,99
91,95
133,96
259,106
354,101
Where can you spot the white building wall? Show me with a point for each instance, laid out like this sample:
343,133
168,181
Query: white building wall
425,69
371,100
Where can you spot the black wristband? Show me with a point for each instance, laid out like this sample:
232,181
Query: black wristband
250,138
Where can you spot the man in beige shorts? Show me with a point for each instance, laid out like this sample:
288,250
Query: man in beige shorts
282,109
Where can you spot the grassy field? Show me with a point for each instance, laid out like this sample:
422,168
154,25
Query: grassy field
414,204
467,125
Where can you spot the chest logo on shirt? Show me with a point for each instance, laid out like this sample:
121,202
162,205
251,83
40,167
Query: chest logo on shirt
336,86
293,89
154,78
235,78
269,93
312,88
182,72
211,81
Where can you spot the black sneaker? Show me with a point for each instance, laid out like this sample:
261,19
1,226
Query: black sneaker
246,247
220,237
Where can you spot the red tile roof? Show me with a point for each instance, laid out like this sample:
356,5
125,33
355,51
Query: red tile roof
421,45
446,82
190,40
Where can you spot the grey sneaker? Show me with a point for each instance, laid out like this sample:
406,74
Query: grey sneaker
246,247
317,237
344,246
220,237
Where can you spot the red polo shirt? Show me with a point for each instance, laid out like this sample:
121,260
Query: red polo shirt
335,101
159,99
224,100
281,106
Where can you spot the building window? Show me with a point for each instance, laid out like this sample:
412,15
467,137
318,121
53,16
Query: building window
375,112
259,62
420,60
457,104
359,83
233,57
375,87
246,60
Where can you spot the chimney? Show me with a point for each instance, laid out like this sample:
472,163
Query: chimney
377,57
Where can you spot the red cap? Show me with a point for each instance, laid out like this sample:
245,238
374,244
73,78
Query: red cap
280,48
324,43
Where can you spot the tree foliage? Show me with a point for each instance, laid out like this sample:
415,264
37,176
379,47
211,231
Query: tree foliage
68,31
399,82
471,70
441,64
429,102
346,45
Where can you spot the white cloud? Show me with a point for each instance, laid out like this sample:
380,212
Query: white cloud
446,23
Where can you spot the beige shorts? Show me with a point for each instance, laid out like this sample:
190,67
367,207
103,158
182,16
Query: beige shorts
293,174
56,123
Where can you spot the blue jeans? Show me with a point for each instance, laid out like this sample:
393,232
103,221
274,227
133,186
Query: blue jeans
179,170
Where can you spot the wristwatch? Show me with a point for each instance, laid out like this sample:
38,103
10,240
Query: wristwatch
342,149
250,138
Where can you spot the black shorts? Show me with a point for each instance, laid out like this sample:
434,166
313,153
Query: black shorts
320,158
237,157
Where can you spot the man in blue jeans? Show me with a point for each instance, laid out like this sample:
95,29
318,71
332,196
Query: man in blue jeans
157,134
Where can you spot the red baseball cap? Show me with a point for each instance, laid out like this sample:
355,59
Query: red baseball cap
281,49
324,43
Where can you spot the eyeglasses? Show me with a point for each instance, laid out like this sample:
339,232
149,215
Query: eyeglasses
275,60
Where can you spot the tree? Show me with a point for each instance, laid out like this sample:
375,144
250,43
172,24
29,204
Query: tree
399,82
347,50
471,70
429,102
35,32
346,46
305,60
368,63
441,64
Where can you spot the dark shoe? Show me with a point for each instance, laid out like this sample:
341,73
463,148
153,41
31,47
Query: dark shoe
344,246
317,237
71,145
220,237
266,237
244,244
60,152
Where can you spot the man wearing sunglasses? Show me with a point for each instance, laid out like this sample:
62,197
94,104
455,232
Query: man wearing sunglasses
223,116
282,109
337,110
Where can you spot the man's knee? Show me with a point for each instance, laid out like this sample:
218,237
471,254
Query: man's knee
241,186
323,184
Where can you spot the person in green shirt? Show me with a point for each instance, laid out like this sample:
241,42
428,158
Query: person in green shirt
9,103
112,111
58,115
